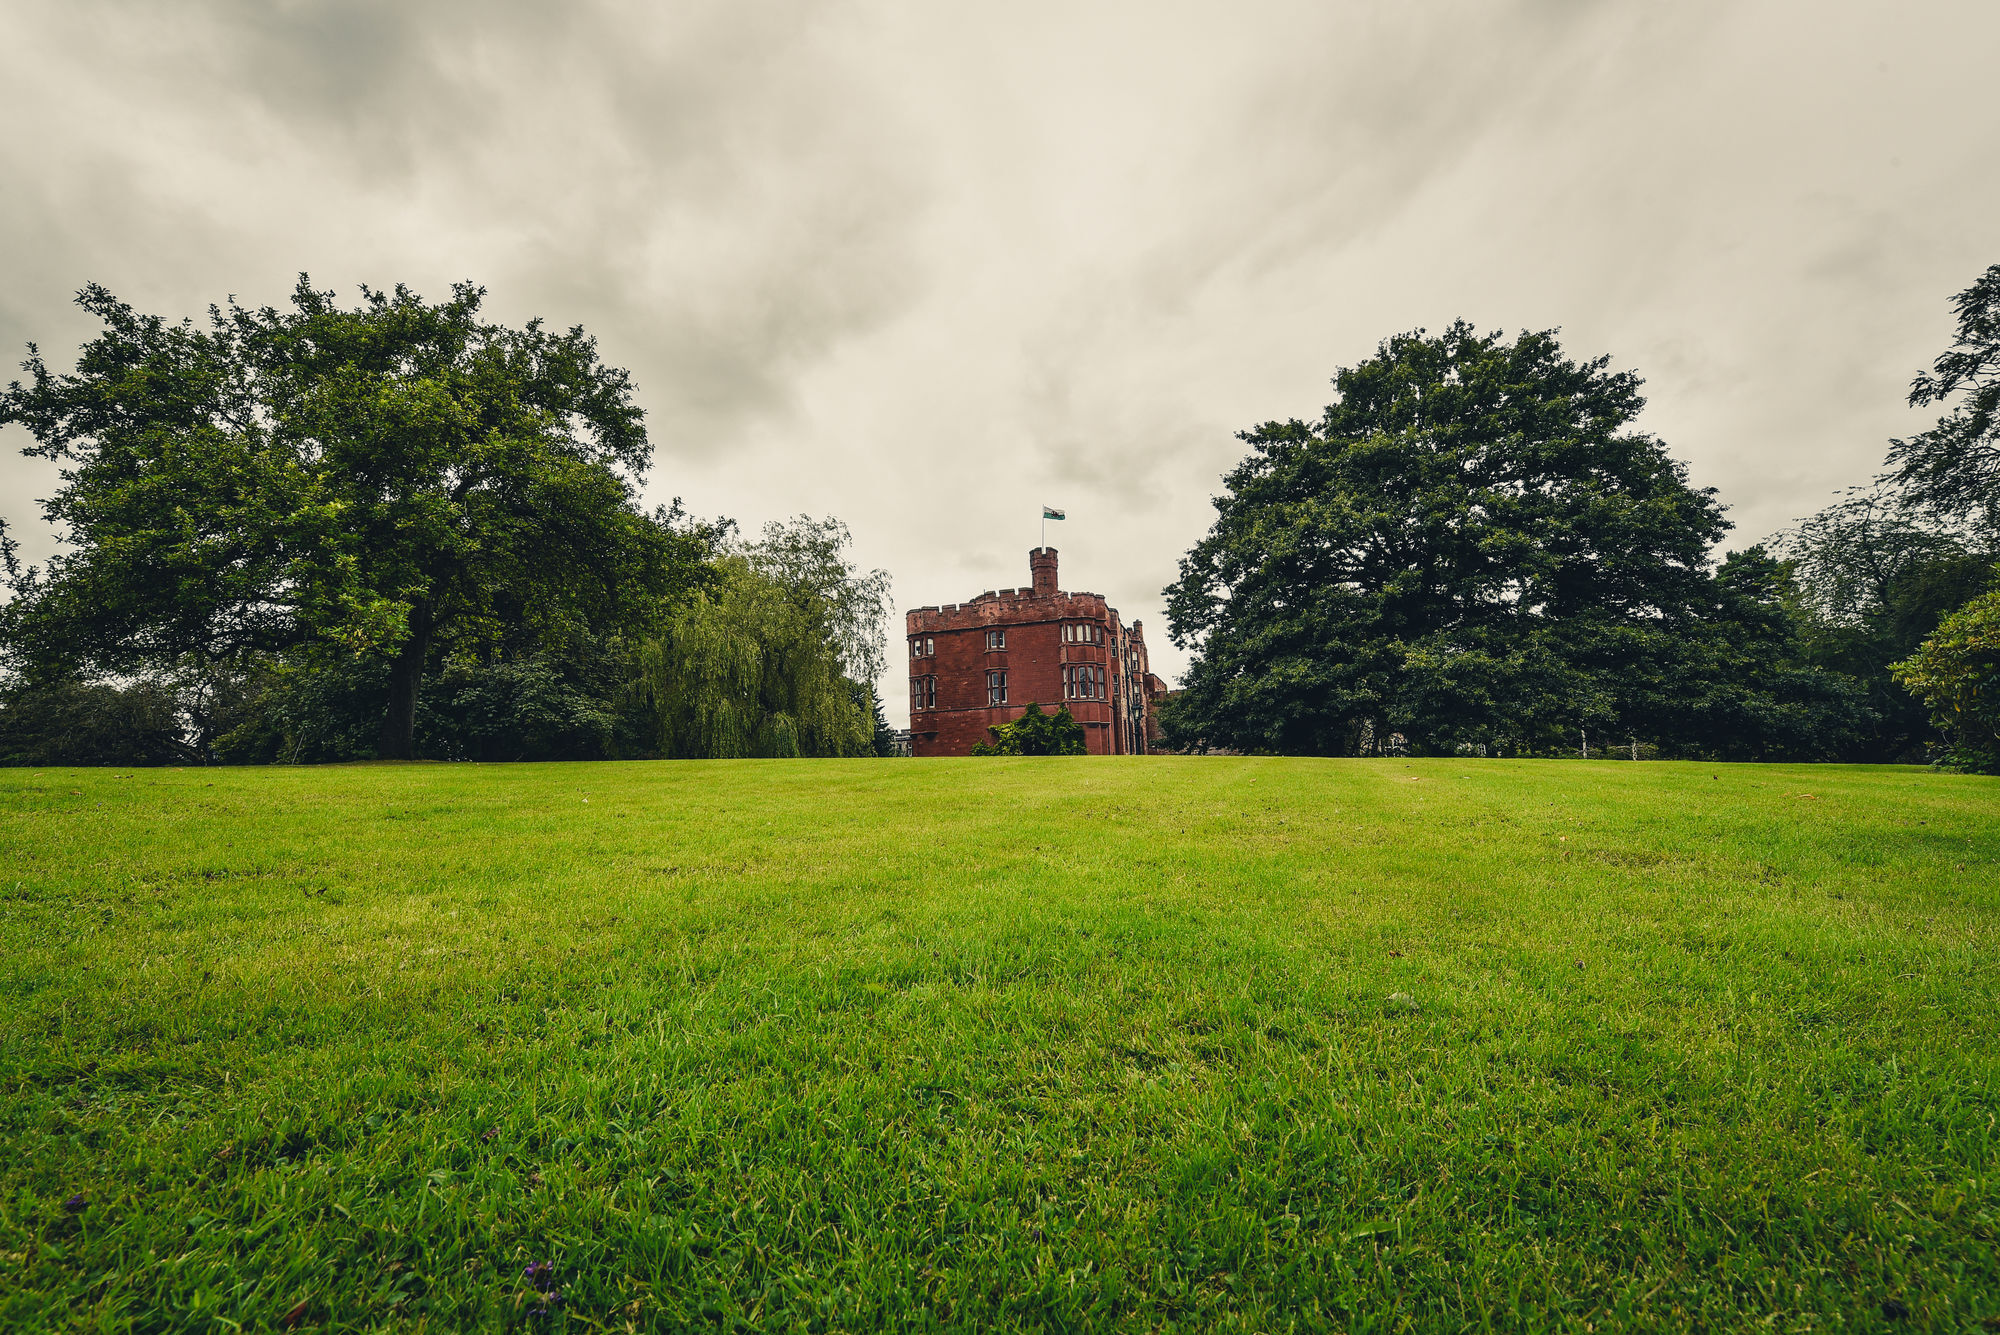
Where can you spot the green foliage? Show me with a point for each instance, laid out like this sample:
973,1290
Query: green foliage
882,737
535,705
539,707
1036,734
809,558
1180,727
751,667
1472,549
308,709
389,482
779,656
1872,558
1881,568
1956,673
1031,1045
1875,579
79,723
1952,471
1744,684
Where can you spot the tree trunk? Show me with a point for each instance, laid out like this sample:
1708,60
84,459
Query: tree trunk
406,675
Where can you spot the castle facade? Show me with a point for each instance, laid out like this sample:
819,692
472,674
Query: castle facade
977,664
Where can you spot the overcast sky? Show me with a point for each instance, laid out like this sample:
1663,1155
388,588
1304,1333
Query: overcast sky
928,266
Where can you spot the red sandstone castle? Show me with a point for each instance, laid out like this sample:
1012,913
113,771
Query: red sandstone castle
980,663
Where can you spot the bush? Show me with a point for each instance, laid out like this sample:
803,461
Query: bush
1956,673
1036,734
308,712
537,707
75,723
540,705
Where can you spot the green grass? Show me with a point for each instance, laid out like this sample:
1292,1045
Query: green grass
1033,1044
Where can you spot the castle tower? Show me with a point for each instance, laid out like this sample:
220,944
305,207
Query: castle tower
1042,571
979,663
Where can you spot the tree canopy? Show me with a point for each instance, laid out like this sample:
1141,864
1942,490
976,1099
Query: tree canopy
1880,569
1872,575
778,656
1952,471
339,485
1472,547
1956,673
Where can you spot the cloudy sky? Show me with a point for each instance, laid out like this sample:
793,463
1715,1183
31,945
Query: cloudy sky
929,266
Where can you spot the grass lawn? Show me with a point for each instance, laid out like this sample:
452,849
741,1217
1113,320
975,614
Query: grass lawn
1205,1044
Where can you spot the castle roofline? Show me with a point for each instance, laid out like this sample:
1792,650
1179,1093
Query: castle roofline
1010,595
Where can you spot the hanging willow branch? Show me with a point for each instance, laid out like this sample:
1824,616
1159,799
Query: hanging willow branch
752,668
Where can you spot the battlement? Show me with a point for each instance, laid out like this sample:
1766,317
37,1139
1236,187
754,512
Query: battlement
977,664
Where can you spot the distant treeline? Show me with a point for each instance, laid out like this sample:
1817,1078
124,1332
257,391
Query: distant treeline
1472,551
397,530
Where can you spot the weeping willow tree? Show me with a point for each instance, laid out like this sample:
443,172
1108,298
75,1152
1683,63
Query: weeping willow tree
756,666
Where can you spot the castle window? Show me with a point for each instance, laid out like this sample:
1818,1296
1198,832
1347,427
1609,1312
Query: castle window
923,692
996,639
1083,681
922,646
996,688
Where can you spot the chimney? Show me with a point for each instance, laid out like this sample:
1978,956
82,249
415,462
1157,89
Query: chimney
1042,565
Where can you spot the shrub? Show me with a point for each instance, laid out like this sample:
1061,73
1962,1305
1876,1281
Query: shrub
1956,673
1036,734
78,723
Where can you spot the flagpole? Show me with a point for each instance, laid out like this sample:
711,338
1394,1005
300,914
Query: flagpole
1047,515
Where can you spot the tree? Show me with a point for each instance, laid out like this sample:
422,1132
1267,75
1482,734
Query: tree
364,484
1956,672
882,737
1859,559
809,557
1875,574
1744,684
757,664
1036,734
1880,569
81,723
1952,471
1471,547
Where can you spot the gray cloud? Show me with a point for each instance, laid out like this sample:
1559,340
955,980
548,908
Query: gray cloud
928,267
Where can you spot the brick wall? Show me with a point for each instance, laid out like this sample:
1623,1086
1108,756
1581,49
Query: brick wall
949,654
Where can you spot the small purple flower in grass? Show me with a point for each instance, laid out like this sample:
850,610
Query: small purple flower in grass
76,1204
543,1276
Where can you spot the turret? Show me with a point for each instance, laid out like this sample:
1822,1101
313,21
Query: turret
1042,566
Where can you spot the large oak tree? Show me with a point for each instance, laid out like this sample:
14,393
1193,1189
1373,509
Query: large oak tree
326,479
1473,546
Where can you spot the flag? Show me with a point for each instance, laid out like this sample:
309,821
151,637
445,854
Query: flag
1050,512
